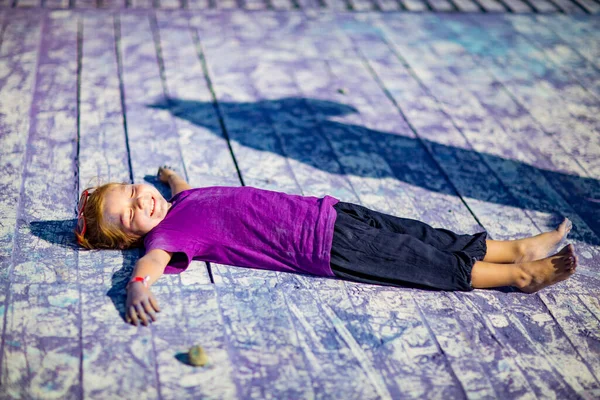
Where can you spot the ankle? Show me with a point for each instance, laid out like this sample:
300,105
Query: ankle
521,278
520,250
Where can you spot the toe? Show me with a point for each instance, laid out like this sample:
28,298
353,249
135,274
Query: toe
565,227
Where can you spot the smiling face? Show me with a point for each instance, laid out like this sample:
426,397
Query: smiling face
134,209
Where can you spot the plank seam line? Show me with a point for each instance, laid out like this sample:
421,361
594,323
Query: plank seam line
155,359
479,6
514,356
117,28
276,133
583,359
200,54
268,5
586,306
437,343
413,129
580,5
4,22
374,6
541,350
22,185
454,7
163,80
530,5
362,358
428,5
559,9
507,8
231,351
565,41
463,327
401,5
78,187
293,310
318,122
210,274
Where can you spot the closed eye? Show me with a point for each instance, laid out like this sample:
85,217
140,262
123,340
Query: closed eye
131,210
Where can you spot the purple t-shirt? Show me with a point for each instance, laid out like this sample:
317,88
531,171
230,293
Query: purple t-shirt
247,227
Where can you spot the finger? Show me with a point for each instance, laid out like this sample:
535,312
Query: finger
133,315
154,303
149,310
142,314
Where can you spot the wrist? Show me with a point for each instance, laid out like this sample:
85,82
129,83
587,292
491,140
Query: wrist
172,177
139,280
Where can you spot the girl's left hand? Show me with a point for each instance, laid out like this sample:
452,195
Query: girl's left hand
140,303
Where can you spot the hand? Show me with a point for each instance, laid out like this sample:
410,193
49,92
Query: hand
140,303
164,173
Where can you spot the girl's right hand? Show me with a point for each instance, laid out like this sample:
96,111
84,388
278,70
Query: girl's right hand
164,173
141,303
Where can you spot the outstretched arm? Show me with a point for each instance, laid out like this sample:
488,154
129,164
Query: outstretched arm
141,303
176,182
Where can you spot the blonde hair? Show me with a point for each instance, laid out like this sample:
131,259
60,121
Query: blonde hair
98,233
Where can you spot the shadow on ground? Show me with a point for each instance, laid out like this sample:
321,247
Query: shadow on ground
306,131
60,233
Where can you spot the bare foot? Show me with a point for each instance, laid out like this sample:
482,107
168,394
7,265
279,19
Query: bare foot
536,275
542,245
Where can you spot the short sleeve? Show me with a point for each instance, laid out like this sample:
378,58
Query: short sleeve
183,248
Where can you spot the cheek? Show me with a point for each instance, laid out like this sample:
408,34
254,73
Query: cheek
140,220
142,223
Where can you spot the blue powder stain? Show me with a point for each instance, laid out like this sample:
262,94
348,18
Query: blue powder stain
357,27
50,386
14,343
63,301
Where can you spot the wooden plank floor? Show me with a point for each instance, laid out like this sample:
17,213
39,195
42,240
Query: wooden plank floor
573,7
467,122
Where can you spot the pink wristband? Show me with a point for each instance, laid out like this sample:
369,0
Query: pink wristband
144,280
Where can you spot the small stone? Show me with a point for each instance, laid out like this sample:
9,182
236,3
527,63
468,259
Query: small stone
197,356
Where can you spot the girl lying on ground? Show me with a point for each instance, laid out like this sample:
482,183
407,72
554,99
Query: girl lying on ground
256,228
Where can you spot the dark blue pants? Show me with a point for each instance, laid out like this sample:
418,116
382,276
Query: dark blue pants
373,247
